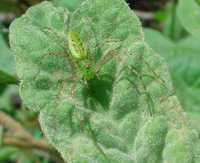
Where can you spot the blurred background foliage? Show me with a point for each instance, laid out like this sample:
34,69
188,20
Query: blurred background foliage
172,28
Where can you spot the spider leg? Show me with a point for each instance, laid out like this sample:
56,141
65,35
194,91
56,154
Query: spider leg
105,59
73,89
106,41
59,37
153,74
156,76
149,99
66,81
63,54
60,54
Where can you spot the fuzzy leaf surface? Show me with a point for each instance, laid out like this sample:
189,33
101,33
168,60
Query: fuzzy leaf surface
123,116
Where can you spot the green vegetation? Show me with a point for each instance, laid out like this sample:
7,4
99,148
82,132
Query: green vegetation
103,90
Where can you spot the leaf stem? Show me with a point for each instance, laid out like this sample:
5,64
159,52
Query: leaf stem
13,125
23,139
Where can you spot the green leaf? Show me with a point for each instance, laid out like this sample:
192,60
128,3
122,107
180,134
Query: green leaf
186,70
159,43
7,69
104,120
189,14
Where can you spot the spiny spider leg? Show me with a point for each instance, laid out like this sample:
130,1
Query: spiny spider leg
92,35
157,77
73,89
56,35
63,54
60,54
147,94
107,41
105,59
74,79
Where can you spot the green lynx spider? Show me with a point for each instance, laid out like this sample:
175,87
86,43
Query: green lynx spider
84,66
